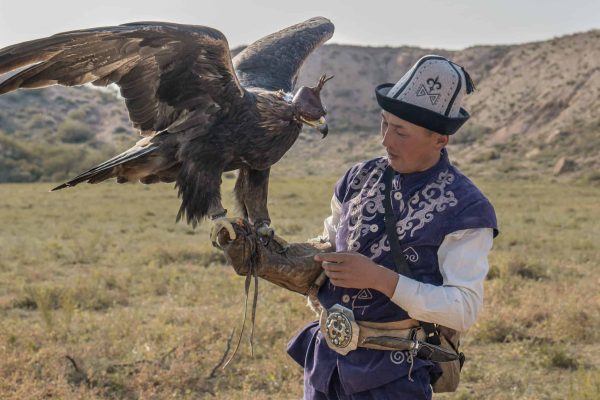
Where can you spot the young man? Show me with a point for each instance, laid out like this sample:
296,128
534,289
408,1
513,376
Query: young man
445,227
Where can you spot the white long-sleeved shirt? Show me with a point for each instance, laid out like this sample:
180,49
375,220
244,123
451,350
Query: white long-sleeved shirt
463,263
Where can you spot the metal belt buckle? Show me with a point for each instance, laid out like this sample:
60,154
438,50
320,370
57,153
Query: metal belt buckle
340,329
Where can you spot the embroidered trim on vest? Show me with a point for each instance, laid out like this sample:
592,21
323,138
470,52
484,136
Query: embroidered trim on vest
422,207
364,207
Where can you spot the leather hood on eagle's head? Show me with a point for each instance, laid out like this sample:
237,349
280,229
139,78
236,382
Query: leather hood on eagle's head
308,106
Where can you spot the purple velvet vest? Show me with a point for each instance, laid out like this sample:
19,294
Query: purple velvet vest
429,205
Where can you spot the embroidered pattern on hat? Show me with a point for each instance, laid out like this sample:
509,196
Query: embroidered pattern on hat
424,85
434,85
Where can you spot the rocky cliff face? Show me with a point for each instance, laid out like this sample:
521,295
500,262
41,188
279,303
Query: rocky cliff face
535,104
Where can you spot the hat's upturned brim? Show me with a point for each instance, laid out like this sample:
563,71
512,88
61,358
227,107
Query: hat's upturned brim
418,115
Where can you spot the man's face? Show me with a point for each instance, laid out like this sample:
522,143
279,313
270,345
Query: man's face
410,148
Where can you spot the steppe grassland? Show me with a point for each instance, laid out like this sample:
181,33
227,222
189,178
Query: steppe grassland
144,307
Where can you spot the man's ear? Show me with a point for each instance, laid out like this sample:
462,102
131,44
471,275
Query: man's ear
441,141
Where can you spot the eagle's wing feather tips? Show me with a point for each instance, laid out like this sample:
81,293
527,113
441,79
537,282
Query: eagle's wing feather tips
273,62
164,70
189,99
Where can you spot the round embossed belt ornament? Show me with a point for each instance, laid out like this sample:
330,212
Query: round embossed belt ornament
339,328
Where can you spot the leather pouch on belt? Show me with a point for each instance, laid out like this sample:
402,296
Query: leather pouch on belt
450,378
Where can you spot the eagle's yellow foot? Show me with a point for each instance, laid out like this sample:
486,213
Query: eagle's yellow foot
223,223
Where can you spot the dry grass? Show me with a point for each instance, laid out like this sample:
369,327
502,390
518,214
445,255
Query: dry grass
143,307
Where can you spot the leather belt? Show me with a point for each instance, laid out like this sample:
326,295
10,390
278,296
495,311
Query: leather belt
344,334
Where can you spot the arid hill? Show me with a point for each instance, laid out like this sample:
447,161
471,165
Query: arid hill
536,111
535,103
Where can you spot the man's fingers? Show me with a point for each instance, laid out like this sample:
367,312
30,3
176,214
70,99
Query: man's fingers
331,257
332,266
332,275
337,282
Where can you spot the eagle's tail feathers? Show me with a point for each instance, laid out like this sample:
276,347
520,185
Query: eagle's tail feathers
199,187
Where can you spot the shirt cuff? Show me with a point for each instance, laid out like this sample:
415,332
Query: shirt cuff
406,289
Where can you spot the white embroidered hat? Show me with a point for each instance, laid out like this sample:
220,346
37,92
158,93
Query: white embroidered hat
429,95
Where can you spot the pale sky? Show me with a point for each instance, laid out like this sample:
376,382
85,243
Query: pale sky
425,23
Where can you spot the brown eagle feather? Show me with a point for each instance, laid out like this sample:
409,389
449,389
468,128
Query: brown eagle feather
201,112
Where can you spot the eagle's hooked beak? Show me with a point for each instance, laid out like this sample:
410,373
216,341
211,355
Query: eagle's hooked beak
320,124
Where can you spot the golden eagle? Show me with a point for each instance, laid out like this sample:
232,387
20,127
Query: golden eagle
200,111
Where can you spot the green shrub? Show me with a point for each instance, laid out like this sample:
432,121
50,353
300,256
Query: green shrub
72,131
120,129
18,161
556,356
585,385
498,330
469,134
26,161
592,178
506,269
40,121
486,155
80,114
62,161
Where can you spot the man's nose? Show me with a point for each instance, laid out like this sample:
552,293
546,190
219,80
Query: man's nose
385,137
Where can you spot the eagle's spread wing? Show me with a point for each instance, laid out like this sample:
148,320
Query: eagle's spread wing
273,62
172,76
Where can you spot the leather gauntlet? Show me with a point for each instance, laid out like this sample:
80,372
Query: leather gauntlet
289,265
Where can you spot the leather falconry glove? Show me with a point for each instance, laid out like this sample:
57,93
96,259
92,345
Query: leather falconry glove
289,265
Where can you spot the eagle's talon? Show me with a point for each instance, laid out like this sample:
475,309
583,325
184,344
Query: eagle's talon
265,234
283,245
220,224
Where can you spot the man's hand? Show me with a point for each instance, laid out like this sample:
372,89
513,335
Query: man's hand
353,270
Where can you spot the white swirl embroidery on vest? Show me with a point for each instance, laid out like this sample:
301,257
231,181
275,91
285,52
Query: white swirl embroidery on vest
422,207
384,246
380,247
397,357
358,181
361,301
411,254
424,204
366,203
